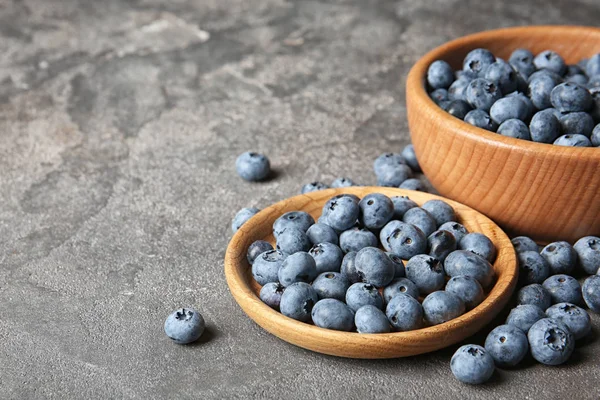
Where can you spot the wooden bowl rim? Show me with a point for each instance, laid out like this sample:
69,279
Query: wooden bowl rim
235,264
415,88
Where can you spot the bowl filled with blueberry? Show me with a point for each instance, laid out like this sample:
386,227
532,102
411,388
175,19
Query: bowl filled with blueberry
370,272
508,122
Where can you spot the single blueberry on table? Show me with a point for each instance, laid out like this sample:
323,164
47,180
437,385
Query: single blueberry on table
420,218
404,312
293,219
298,267
410,157
441,211
355,239
399,270
458,108
441,243
266,266
524,243
361,294
292,240
524,316
184,326
563,289
253,166
342,182
514,128
550,60
472,364
374,266
588,252
457,91
482,94
442,306
561,257
467,289
426,272
575,318
404,240
400,286
540,88
402,204
257,248
533,268
573,141
298,300
571,97
370,319
576,123
341,212
477,61
481,119
242,217
464,262
412,184
376,210
595,137
591,292
503,74
439,95
333,314
508,108
479,244
321,233
271,293
550,341
393,175
313,187
544,127
534,294
328,257
440,75
386,160
507,345
522,61
458,230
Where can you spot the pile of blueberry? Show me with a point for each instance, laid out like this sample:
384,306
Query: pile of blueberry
548,319
538,98
334,273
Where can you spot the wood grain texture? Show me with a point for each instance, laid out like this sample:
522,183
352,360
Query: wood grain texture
540,190
346,344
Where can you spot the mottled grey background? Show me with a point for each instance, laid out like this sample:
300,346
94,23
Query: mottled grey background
119,125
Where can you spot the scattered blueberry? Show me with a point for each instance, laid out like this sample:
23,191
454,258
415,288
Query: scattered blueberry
420,218
387,160
561,257
393,175
523,243
591,292
242,217
370,319
266,266
404,312
507,345
514,128
313,187
550,341
458,230
412,184
575,318
321,233
588,252
376,210
400,286
441,243
563,289
524,316
442,306
328,257
333,314
342,183
257,248
184,326
298,300
410,157
533,268
467,289
463,262
271,294
357,238
479,244
253,166
298,267
472,364
362,294
534,294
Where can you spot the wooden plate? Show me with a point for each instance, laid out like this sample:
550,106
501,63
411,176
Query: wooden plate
355,345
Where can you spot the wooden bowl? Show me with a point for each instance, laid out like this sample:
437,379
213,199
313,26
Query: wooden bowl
245,290
544,191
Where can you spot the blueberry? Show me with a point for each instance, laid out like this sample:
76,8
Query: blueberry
439,95
253,166
578,79
508,108
342,182
526,100
534,294
266,266
503,74
402,204
299,267
592,66
456,229
440,75
356,238
544,127
441,243
298,300
341,212
507,345
563,289
242,217
404,240
271,294
410,157
399,270
576,123
472,364
328,257
387,160
477,61
561,257
370,319
333,314
573,141
362,294
420,218
588,252
482,93
404,313
293,219
537,74
184,326
522,61
550,341
524,316
441,211
457,91
593,83
458,108
595,137
442,306
550,60
575,318
321,233
571,97
524,243
533,268
292,240
412,184
374,266
426,272
481,119
467,289
463,262
591,292
400,286
479,244
313,187
348,268
393,175
514,128
540,89
257,248
376,210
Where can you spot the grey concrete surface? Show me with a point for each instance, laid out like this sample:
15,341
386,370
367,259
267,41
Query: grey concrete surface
119,125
